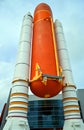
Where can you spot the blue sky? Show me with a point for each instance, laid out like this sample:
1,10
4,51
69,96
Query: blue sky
71,15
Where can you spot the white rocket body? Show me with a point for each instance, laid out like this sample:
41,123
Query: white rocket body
18,106
72,116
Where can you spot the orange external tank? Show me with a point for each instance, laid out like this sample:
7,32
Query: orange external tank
45,78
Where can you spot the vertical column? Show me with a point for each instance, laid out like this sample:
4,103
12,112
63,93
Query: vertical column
18,106
70,100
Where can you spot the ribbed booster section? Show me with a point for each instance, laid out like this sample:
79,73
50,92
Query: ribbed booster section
19,100
70,101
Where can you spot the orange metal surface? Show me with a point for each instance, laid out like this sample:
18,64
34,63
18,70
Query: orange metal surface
44,55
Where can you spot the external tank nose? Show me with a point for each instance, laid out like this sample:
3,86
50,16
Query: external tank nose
42,11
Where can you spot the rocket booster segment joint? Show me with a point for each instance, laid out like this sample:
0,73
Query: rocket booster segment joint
21,80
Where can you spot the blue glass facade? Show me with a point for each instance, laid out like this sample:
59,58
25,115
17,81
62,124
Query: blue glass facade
45,114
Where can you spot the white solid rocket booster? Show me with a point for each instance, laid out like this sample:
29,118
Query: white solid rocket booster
18,106
72,116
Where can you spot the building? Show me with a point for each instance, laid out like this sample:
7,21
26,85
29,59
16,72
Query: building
47,114
80,94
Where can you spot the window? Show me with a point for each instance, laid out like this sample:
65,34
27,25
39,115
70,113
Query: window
45,114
